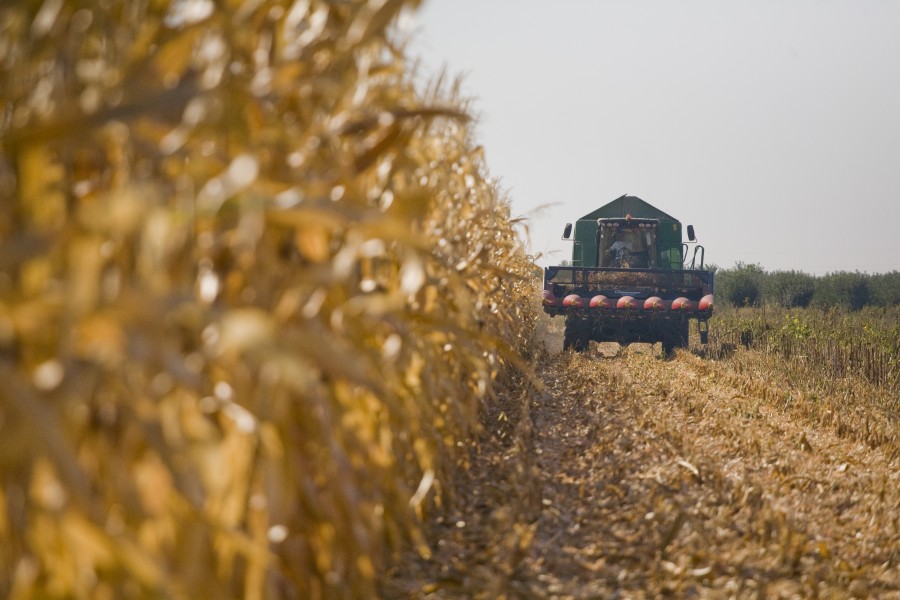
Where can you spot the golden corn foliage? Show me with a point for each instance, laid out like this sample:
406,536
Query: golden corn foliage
253,291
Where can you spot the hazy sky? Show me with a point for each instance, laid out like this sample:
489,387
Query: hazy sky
771,126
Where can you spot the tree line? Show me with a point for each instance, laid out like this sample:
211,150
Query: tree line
748,284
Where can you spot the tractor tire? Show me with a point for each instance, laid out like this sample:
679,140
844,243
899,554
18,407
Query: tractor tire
577,335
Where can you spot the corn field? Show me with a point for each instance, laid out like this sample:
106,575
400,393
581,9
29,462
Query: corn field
255,289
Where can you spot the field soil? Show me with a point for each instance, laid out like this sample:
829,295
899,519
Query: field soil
634,476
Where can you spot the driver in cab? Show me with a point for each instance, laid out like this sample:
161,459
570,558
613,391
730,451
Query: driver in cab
618,250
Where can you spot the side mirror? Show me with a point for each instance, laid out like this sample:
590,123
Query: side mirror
567,231
691,235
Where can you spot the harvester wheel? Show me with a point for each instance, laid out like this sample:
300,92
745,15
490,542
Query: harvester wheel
577,336
675,337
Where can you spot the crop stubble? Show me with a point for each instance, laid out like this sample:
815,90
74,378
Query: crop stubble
688,477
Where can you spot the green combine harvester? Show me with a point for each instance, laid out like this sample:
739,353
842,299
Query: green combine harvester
632,279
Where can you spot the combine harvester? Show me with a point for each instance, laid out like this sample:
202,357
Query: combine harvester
632,279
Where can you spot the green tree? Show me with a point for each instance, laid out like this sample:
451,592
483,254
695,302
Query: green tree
741,285
885,288
842,289
788,288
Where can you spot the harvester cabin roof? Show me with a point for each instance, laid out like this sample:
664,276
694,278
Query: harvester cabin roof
627,205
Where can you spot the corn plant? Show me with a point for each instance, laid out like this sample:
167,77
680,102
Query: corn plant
254,289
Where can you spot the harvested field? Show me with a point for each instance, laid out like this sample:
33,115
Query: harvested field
679,478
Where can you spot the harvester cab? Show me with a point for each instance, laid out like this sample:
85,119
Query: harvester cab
631,279
627,243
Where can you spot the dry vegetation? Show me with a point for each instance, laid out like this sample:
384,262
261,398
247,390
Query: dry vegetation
248,299
683,478
702,477
266,332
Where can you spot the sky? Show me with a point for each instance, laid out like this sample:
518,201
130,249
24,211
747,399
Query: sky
771,126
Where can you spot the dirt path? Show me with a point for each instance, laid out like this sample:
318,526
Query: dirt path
641,478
